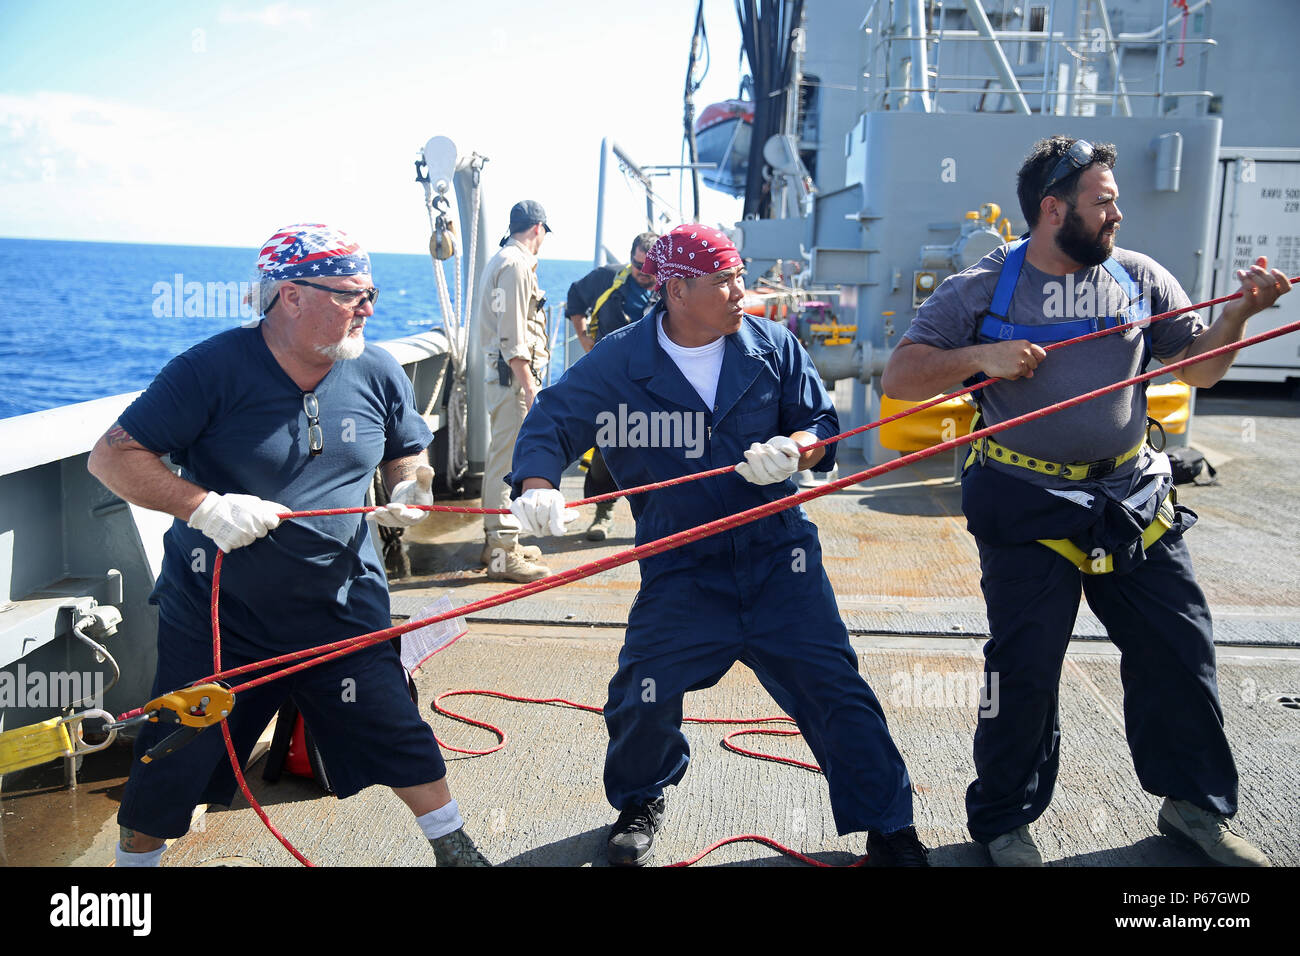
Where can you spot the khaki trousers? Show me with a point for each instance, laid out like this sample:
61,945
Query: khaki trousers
506,410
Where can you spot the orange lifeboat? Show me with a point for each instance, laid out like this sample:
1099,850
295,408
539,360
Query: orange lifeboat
767,304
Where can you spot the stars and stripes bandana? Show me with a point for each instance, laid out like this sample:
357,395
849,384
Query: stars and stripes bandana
688,251
304,250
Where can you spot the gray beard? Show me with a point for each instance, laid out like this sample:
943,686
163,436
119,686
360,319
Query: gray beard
349,348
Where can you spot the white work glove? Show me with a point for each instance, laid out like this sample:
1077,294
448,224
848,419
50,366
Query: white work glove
774,460
541,511
233,521
413,491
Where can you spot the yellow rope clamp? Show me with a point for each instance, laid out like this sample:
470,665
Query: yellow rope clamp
199,706
194,708
49,740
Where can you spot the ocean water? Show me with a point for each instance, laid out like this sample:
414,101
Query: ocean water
84,320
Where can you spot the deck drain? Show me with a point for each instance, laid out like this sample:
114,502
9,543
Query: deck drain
1291,703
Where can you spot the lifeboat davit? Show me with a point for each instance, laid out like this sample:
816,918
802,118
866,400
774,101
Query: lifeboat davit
722,136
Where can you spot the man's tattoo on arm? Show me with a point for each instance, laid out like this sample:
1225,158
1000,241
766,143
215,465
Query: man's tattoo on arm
399,470
117,435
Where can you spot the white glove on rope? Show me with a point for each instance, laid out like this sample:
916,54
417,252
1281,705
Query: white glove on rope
774,460
541,511
413,491
233,521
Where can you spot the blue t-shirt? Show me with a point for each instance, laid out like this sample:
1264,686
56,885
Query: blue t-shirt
234,422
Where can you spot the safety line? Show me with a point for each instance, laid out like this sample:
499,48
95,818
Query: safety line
713,472
225,730
726,742
353,644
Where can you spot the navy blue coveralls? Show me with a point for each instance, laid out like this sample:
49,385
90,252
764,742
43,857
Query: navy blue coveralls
1151,606
755,594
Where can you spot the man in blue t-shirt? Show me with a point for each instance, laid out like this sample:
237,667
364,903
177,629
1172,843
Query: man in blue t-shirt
604,301
293,414
1082,483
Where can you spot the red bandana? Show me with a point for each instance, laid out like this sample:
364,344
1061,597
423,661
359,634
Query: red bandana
688,251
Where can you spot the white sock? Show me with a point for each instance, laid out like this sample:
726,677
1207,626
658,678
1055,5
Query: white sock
149,858
438,823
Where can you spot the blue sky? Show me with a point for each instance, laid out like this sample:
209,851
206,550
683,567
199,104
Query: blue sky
216,122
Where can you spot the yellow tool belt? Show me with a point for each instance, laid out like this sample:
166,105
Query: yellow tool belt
1076,471
1104,564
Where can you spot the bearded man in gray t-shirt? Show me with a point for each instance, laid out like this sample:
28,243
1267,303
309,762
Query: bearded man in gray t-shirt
1077,501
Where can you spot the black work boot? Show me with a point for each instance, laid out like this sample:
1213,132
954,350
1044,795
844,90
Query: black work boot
900,848
633,834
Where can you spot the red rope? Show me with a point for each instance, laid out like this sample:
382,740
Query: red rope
225,725
726,742
697,475
352,645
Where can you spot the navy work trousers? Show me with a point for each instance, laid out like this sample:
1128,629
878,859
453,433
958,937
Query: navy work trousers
1158,618
357,707
758,596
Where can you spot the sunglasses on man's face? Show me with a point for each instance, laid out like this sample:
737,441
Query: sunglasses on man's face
349,298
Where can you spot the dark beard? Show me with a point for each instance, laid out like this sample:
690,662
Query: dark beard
1073,240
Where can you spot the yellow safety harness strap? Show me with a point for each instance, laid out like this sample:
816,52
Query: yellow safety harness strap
1076,471
1104,564
604,297
49,740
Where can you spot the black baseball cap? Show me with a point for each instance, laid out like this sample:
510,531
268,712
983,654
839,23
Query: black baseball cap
526,214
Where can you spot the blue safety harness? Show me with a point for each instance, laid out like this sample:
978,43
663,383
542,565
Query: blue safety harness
994,326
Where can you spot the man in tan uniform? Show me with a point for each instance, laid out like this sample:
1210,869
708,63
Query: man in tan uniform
512,333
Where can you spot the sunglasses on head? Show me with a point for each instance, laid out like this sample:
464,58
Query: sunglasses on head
1078,156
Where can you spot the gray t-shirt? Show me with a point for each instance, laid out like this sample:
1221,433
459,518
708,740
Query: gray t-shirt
1104,427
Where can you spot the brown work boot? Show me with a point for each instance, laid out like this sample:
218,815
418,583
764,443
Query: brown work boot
511,565
1208,832
531,552
457,849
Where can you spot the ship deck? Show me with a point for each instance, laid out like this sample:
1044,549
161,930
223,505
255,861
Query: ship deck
906,575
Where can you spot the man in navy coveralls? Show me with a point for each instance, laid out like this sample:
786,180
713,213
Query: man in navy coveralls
714,386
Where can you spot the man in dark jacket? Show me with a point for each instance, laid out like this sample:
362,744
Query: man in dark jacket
603,301
696,385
